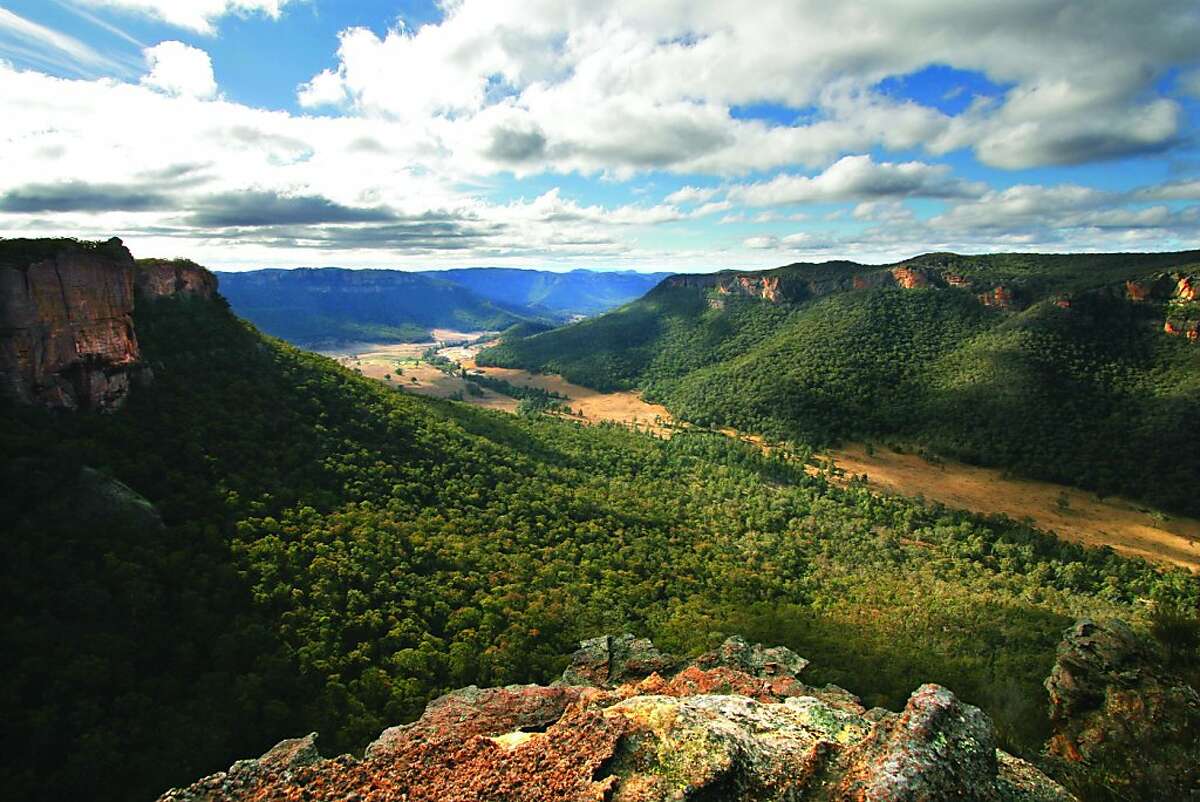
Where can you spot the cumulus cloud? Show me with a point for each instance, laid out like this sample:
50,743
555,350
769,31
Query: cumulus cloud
856,178
196,15
180,69
626,86
690,194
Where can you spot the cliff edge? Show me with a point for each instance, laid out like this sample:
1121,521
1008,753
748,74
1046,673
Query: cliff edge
628,723
67,338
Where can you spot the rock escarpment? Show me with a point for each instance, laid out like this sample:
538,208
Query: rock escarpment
66,330
1118,711
628,723
840,277
160,278
67,338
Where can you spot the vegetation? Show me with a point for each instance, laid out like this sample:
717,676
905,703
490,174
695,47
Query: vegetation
1092,395
332,554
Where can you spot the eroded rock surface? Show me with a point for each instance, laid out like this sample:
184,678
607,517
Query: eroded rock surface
735,724
1116,709
160,278
66,331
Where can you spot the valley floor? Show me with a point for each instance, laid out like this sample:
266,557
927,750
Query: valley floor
1073,514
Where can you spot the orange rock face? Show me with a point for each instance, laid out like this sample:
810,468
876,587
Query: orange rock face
1186,288
909,278
66,331
765,287
1138,290
1000,298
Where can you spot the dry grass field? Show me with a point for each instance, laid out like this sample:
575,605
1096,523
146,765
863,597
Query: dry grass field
1070,513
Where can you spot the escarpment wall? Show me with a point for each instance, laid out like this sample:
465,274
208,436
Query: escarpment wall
67,338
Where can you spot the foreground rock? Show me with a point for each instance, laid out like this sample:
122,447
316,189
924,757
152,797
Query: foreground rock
1119,714
629,724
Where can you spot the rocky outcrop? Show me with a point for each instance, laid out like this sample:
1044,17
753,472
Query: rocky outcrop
66,330
161,278
1117,710
735,724
910,278
1000,297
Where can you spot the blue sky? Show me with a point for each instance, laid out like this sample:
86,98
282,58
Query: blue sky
652,135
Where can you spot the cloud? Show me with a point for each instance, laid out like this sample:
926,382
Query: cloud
761,243
624,86
195,15
690,194
1171,190
857,178
79,196
510,145
21,38
179,69
248,209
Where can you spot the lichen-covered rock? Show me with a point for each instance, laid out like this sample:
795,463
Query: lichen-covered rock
475,711
608,661
66,330
717,730
1117,710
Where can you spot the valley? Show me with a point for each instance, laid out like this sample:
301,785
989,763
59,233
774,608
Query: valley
1129,527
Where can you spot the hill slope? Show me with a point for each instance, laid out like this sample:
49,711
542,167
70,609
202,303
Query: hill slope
261,543
1057,367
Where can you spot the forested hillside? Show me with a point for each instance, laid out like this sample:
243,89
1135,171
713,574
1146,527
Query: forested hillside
262,543
1078,369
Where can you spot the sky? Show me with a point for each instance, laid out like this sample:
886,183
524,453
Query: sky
683,135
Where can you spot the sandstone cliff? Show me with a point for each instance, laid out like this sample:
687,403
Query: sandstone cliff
67,338
66,331
627,723
160,278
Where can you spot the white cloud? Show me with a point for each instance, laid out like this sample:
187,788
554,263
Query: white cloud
24,38
761,243
325,89
180,69
857,178
624,86
690,194
196,15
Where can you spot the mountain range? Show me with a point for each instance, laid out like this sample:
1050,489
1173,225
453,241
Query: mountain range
323,305
1080,369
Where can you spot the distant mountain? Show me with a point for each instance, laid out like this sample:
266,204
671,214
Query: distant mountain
318,305
311,306
1082,369
579,292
